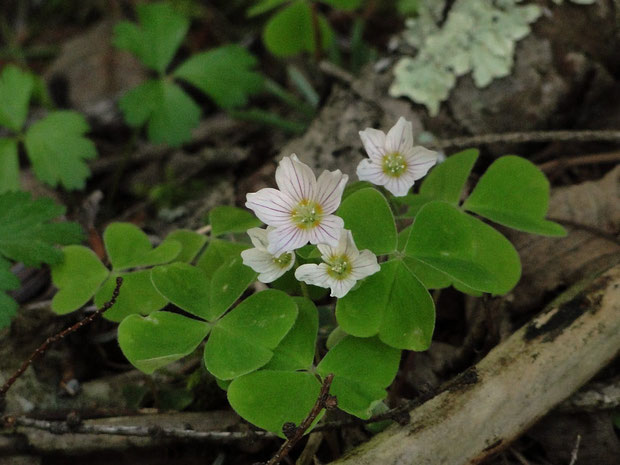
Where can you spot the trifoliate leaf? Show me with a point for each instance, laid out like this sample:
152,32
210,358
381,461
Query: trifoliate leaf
185,286
15,91
157,37
225,74
9,165
170,112
58,149
226,219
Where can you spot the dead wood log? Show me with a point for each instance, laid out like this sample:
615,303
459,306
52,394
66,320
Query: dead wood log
489,405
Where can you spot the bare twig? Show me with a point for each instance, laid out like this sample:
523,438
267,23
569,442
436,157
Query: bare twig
591,159
586,227
57,337
575,452
324,401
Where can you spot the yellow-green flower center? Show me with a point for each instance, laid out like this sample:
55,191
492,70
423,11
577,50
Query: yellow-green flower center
394,164
283,260
338,267
307,214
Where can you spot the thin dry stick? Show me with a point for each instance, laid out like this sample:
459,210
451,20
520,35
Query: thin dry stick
591,159
575,452
64,427
321,403
57,337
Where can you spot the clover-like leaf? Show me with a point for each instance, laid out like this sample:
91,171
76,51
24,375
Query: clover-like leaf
57,149
362,369
15,92
515,193
159,339
244,339
463,247
269,398
377,233
185,286
9,165
170,112
128,246
191,243
217,253
226,219
157,37
78,277
226,74
392,303
228,283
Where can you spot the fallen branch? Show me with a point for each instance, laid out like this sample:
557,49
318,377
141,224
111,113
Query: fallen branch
518,382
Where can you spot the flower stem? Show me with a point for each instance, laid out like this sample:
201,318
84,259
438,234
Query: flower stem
304,290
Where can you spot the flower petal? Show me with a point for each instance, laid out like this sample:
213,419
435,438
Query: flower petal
420,160
374,143
399,186
400,137
259,260
364,265
329,189
258,236
286,239
328,231
295,179
271,206
315,275
369,171
340,287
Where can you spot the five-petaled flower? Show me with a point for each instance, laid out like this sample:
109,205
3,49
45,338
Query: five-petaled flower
270,266
343,265
301,211
393,160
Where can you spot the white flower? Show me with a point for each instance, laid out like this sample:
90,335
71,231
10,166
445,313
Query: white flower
269,266
343,266
301,211
393,160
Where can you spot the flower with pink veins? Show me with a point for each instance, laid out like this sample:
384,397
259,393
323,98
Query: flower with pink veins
301,211
393,160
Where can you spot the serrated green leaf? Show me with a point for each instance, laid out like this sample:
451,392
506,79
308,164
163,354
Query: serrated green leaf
226,219
226,74
297,349
263,6
170,112
137,295
191,243
228,283
367,214
57,149
268,399
362,369
15,91
393,304
77,277
159,339
127,246
9,165
159,34
185,286
515,193
464,248
27,233
217,253
244,339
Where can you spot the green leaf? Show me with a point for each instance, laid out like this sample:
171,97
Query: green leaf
393,304
362,369
128,246
8,309
297,349
185,286
515,193
226,74
226,219
9,165
262,6
228,283
15,91
27,233
268,399
159,34
367,214
347,5
8,282
170,112
217,253
445,181
244,340
77,277
191,243
57,149
137,295
464,248
159,339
